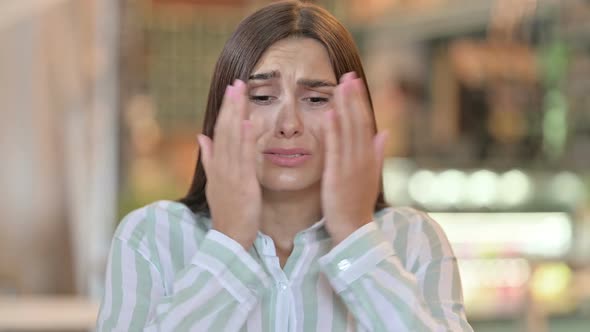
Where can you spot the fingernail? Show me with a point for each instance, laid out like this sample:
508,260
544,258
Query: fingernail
238,83
346,85
229,91
351,75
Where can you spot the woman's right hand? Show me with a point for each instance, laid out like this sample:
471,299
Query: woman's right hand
233,191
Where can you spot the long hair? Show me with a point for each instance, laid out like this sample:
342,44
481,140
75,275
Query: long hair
254,35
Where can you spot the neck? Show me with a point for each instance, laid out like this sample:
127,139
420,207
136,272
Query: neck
284,214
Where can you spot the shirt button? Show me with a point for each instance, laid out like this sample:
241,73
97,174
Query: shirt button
343,265
282,285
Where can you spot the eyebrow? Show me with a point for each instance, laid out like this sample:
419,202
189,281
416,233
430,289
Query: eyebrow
306,82
265,76
309,83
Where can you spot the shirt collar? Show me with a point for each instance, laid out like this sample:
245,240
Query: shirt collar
315,232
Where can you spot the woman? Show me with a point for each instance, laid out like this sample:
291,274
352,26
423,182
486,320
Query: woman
285,227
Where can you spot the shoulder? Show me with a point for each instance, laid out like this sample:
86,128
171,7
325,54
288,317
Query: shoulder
160,216
413,232
405,218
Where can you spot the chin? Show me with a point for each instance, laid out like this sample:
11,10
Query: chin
289,180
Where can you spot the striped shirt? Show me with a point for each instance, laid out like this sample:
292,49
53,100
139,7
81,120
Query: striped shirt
169,271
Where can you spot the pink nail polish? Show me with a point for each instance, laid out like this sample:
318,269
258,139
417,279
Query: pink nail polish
346,86
229,91
351,75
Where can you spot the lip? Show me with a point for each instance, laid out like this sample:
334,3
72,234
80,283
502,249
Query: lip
284,157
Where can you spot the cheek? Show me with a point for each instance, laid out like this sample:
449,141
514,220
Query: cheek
313,125
261,119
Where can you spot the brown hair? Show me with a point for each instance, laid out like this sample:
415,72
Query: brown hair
244,48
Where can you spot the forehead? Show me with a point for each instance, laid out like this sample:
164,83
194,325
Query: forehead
297,58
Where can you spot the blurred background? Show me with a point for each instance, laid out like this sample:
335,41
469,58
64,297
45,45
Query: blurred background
487,103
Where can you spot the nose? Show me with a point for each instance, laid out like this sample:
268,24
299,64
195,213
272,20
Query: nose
289,123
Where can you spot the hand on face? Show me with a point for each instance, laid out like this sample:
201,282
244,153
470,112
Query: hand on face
353,160
233,191
352,165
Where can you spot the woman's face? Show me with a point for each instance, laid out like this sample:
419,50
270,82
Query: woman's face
289,90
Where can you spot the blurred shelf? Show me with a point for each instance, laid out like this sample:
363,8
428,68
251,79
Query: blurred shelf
453,18
47,313
14,12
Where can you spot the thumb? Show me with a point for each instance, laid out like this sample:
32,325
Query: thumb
379,148
205,146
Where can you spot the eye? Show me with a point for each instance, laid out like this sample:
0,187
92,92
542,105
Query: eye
316,101
262,100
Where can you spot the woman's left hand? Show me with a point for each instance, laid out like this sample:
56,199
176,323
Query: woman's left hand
353,160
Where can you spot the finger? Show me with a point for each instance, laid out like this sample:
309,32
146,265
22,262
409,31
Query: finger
348,76
222,126
379,149
361,90
248,151
333,148
205,150
361,118
238,110
241,100
343,110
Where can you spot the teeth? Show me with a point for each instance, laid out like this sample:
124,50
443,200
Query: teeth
290,155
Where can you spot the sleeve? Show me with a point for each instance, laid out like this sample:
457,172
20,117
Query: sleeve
215,292
383,296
